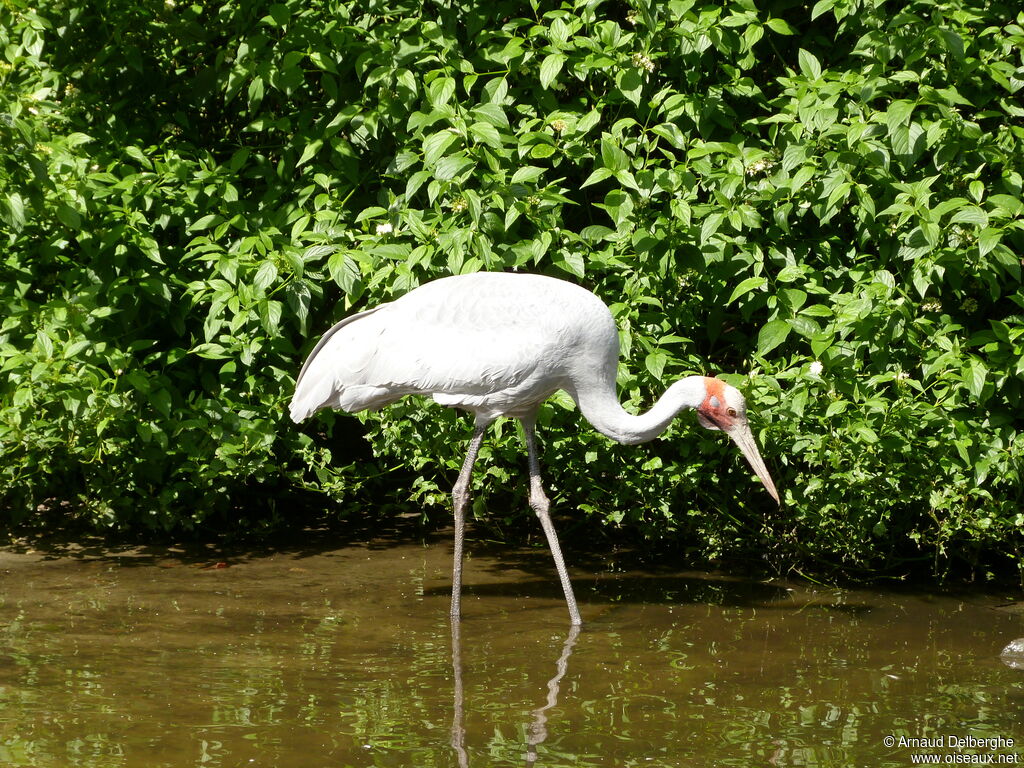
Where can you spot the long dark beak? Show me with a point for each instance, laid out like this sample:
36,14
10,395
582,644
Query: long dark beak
744,438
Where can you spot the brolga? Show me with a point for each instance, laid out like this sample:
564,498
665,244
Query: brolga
499,344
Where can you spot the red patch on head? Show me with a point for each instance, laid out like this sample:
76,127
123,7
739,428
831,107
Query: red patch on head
714,388
716,412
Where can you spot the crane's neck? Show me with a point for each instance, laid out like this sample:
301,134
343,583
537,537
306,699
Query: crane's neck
600,406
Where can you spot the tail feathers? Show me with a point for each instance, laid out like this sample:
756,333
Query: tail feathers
299,412
316,386
310,398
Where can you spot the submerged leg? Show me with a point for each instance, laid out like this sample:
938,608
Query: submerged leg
460,498
540,504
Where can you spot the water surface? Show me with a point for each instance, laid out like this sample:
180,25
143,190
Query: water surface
343,657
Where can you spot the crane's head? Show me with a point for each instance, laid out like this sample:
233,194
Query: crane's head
724,408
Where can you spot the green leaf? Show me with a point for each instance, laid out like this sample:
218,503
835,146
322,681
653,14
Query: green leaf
596,232
76,139
527,173
710,226
1007,205
898,114
907,142
75,347
747,286
255,93
865,433
204,222
671,133
572,263
161,398
655,363
550,67
954,43
491,113
612,155
138,155
970,214
68,216
416,181
279,14
441,91
435,145
791,273
309,151
452,166
835,408
373,212
265,276
817,310
600,174
804,174
779,26
626,179
809,64
344,271
486,133
589,121
974,376
988,239
270,315
16,209
772,334
822,6
630,83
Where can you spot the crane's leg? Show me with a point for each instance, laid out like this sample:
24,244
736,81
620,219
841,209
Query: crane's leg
460,498
540,504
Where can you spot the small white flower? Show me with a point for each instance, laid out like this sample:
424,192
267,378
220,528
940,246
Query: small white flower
642,61
385,229
759,166
816,368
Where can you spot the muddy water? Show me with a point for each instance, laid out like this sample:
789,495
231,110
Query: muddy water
344,657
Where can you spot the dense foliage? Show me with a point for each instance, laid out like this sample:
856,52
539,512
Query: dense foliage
822,201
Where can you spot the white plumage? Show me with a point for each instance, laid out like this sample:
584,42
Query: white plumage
499,344
492,343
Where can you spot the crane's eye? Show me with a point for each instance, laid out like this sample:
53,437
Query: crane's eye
731,411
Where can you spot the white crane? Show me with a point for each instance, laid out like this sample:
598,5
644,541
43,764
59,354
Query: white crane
499,344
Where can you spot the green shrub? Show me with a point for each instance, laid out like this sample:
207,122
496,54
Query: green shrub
824,203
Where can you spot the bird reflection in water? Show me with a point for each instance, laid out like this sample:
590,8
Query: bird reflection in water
537,733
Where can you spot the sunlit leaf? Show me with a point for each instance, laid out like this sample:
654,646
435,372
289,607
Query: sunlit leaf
746,286
550,67
809,64
771,335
